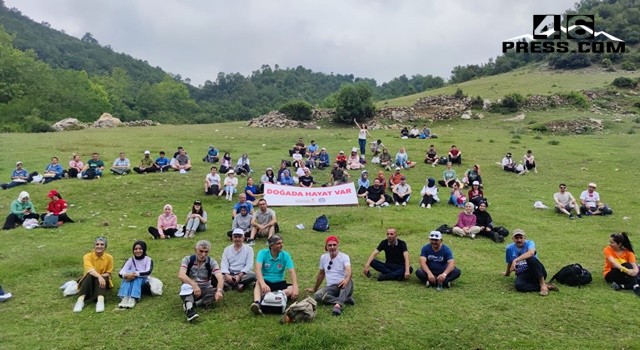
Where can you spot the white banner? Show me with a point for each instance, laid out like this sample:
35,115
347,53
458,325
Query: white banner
278,195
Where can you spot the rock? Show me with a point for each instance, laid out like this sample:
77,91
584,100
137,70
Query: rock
68,124
486,104
465,116
575,126
480,116
517,118
106,120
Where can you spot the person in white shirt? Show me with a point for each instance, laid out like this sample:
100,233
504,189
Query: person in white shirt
591,203
401,192
212,182
237,263
565,203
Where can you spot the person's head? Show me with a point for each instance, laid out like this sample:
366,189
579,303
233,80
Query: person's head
435,240
226,155
432,146
307,172
619,241
482,206
95,156
269,172
476,167
402,150
562,187
196,207
162,154
54,195
403,180
168,209
431,182
139,250
211,147
245,156
449,165
455,185
202,250
591,187
249,181
76,157
341,153
286,173
23,197
214,170
122,155
385,150
364,126
237,236
468,208
392,234
147,154
376,182
331,244
262,204
381,174
453,147
100,245
300,140
529,152
231,173
275,243
244,210
364,175
18,165
313,142
242,197
182,152
475,184
398,169
323,150
379,142
518,236
54,160
508,155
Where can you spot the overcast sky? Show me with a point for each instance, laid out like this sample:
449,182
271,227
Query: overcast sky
378,39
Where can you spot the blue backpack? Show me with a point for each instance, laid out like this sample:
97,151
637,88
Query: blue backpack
321,224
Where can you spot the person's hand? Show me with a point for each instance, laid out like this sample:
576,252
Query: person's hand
310,290
431,278
366,270
101,282
513,266
294,293
228,278
505,273
343,283
407,274
162,236
197,292
264,288
219,295
441,278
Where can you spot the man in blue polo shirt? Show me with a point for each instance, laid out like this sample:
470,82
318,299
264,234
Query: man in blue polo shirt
20,176
396,266
270,266
521,257
437,266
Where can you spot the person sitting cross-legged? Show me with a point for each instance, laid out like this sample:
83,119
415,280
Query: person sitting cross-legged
437,266
196,273
237,263
397,265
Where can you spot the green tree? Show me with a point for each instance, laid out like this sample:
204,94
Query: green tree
353,101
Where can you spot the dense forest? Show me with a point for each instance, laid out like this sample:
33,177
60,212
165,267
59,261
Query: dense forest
47,75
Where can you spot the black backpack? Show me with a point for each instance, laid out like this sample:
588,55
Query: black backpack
321,224
445,229
192,261
573,275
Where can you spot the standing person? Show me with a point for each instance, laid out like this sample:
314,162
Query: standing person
230,185
429,194
195,274
98,266
121,166
402,192
135,275
264,222
336,267
57,207
19,176
53,171
362,136
196,220
437,266
237,263
565,203
591,204
162,163
167,224
75,166
522,258
147,164
530,162
466,225
212,183
21,209
271,264
396,265
620,266
93,168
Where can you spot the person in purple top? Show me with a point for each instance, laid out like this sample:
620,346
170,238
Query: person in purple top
466,225
135,276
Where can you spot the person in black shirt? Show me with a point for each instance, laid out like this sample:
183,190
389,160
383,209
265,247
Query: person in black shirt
396,265
375,195
306,180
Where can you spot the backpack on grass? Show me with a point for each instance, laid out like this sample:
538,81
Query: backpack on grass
274,302
573,275
321,224
301,311
445,229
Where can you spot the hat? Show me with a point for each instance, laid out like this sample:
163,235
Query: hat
18,162
518,232
475,183
231,172
243,206
331,238
238,232
435,235
354,149
398,168
53,193
508,154
323,149
147,152
341,152
592,184
197,202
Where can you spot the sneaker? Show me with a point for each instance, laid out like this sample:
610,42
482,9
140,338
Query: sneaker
579,216
427,284
422,205
251,242
124,302
397,204
637,290
615,286
385,204
255,308
472,235
570,216
447,285
428,206
404,204
100,306
79,305
337,310
370,205
589,213
191,314
131,303
4,296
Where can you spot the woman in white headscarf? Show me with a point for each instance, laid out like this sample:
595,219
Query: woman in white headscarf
167,224
21,209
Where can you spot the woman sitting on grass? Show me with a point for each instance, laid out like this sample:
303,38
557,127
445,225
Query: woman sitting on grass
21,209
429,194
167,224
449,177
252,191
75,166
135,276
98,265
230,185
196,220
385,159
457,197
57,207
363,183
286,179
268,177
620,267
225,163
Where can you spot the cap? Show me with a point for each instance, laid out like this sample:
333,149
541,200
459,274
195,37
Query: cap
331,239
147,152
238,232
435,235
231,172
592,184
341,152
197,202
354,149
475,183
52,193
509,154
243,206
323,149
18,162
398,168
518,232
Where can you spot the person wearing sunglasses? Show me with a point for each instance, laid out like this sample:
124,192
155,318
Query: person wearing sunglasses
565,203
335,266
437,266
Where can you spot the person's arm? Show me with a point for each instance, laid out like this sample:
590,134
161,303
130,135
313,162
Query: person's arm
273,221
255,224
507,272
451,264
220,285
90,269
408,190
347,277
319,279
407,265
529,253
358,125
147,272
203,217
294,283
264,288
367,265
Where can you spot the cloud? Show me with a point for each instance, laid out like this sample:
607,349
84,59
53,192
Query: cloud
375,39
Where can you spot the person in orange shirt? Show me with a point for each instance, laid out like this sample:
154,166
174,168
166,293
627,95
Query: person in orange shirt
620,267
98,266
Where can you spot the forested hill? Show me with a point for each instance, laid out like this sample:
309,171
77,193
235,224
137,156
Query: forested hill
47,75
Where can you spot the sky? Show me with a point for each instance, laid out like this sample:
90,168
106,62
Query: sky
379,39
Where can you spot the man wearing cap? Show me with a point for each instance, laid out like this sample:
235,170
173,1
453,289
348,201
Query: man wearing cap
242,221
237,263
183,161
396,266
591,204
401,192
147,165
121,166
195,274
336,267
565,203
242,200
522,257
20,176
98,266
264,222
271,264
508,164
437,266
21,209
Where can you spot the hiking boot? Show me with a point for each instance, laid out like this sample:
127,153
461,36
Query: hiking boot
337,310
191,314
615,286
255,308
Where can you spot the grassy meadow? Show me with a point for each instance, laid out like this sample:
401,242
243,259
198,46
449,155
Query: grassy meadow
482,311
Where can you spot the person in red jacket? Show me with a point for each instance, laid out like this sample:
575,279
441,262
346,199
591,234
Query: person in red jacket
58,207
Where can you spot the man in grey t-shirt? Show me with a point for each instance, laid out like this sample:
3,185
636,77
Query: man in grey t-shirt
565,203
263,223
195,274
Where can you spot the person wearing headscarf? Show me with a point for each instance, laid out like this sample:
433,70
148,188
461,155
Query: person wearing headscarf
21,209
286,178
135,274
196,220
167,224
363,183
429,194
57,206
98,266
243,166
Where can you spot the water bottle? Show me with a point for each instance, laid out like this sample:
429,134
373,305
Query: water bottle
439,286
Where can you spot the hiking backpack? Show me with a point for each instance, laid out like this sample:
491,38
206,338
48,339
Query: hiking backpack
192,261
301,311
321,224
573,275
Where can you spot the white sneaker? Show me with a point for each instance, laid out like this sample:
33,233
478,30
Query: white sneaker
5,296
422,205
132,303
397,204
428,206
385,204
100,306
404,204
124,302
473,236
79,305
370,205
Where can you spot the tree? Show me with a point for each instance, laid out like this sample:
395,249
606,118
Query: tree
353,101
88,38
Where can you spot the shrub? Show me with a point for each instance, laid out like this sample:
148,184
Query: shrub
629,66
539,128
297,110
554,142
624,82
515,141
459,94
606,63
35,124
571,61
477,102
631,131
353,101
509,104
577,99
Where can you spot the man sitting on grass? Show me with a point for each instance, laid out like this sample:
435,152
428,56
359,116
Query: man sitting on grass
565,203
591,204
121,166
396,266
437,266
521,257
195,274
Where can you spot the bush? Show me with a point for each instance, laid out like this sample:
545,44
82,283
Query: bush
539,128
624,82
509,104
353,101
297,110
35,124
477,102
606,63
554,142
459,94
572,61
577,99
629,66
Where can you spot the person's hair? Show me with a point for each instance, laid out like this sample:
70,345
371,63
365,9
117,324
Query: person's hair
162,153
58,195
562,185
273,240
94,153
623,240
529,151
262,200
214,167
453,146
56,158
203,244
194,211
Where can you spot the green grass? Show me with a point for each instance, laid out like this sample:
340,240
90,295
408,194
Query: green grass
530,80
482,311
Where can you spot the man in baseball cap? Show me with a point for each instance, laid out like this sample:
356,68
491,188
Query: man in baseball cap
237,263
521,257
437,266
